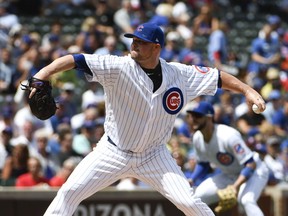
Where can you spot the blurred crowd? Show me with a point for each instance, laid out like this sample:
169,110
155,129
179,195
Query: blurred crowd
44,153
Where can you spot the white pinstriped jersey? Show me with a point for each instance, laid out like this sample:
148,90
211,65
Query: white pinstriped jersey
137,118
226,149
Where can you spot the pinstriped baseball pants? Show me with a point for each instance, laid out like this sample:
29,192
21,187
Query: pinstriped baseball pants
107,164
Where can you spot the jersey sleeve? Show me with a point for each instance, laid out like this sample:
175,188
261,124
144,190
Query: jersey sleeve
200,80
101,68
241,151
198,145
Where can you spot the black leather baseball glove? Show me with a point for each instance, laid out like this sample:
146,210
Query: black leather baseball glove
42,103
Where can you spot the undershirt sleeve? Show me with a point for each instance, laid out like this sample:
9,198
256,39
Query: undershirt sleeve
81,64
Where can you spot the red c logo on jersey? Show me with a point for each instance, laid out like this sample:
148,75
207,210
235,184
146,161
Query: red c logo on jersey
173,101
225,158
202,69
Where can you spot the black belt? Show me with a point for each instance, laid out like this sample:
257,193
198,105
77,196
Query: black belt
110,140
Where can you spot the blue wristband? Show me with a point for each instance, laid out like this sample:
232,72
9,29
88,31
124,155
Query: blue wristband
247,172
81,64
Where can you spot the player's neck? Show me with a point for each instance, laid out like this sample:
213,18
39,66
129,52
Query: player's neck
150,63
208,132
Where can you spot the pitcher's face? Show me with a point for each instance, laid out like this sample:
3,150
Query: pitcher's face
142,50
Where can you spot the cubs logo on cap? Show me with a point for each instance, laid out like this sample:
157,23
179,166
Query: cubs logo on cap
149,32
173,100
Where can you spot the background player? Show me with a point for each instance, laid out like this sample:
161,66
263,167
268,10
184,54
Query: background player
223,146
144,94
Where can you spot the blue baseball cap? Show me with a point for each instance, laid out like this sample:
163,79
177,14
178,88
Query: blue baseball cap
89,124
284,145
8,130
273,19
274,95
203,108
260,147
149,32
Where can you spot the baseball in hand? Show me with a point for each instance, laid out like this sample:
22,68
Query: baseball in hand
256,109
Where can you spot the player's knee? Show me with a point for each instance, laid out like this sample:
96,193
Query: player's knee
188,203
246,201
66,192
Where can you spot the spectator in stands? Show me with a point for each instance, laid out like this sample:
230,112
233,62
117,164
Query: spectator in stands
275,22
68,98
25,135
110,47
34,177
284,158
6,117
29,61
59,45
273,104
62,175
189,55
66,151
84,142
60,117
181,15
99,131
227,102
182,131
8,72
180,156
5,146
272,160
93,95
91,113
125,19
104,15
218,49
7,21
53,144
280,119
67,105
171,49
49,166
220,116
205,21
55,31
89,38
250,121
15,165
265,53
284,52
177,146
163,15
272,82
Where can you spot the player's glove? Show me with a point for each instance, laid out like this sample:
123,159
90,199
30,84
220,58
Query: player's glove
42,104
228,199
